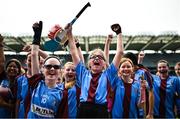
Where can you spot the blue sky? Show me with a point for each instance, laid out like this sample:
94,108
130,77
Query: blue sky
135,16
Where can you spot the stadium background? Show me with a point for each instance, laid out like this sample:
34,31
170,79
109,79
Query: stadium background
164,46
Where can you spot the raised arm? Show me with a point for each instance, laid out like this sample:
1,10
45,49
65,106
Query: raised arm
107,47
43,54
119,47
141,56
72,46
79,50
2,57
37,28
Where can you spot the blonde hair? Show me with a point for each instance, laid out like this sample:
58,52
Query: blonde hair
93,52
68,63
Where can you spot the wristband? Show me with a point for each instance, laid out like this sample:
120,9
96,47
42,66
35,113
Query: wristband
77,45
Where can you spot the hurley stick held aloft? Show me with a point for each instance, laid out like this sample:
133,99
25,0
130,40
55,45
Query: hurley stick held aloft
60,37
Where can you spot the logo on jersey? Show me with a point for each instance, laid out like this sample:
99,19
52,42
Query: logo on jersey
44,112
44,99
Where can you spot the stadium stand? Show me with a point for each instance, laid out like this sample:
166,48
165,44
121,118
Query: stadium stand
164,46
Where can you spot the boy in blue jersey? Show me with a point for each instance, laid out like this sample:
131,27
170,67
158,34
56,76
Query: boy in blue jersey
165,87
93,82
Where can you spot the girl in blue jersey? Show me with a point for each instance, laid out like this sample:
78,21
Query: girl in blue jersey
8,82
165,87
139,72
46,93
127,92
93,81
23,89
72,91
177,71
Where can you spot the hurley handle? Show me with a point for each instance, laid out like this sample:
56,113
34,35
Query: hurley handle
80,12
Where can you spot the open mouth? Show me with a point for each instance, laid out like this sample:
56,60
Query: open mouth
96,63
70,76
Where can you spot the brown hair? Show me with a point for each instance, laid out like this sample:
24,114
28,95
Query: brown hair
163,61
55,57
177,64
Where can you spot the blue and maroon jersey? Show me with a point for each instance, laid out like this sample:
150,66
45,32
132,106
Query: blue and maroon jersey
22,92
147,76
164,91
72,95
4,82
8,97
44,101
177,99
100,84
126,98
144,72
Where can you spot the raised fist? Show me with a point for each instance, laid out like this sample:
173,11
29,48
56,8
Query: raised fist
116,28
54,30
110,37
37,28
141,56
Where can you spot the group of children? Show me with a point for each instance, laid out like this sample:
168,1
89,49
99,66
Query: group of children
123,88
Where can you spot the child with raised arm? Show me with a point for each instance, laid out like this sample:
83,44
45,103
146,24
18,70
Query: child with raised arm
93,81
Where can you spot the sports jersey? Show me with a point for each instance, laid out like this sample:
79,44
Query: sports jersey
73,101
22,92
44,101
164,91
4,112
84,77
177,99
126,98
146,75
139,73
